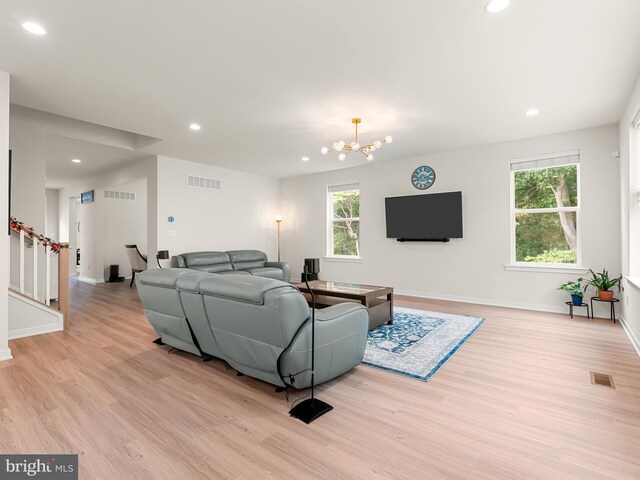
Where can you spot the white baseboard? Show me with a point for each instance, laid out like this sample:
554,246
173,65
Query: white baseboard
632,337
92,281
39,330
5,354
493,303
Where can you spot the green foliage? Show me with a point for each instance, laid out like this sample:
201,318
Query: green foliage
553,256
574,287
346,225
601,281
540,238
534,188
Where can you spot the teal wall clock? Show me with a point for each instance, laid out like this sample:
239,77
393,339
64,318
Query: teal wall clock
423,177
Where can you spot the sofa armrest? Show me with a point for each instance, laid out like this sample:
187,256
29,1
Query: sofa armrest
177,261
339,310
284,266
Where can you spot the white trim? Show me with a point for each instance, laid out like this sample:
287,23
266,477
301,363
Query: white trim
632,337
545,268
635,281
561,309
343,258
5,354
92,281
39,330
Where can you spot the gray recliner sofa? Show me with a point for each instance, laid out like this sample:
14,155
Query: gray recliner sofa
260,326
239,262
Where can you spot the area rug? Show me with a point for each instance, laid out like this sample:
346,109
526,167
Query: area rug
418,342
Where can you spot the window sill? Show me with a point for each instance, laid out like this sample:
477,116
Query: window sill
343,259
546,268
635,281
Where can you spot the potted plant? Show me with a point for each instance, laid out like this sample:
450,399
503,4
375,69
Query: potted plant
574,287
603,284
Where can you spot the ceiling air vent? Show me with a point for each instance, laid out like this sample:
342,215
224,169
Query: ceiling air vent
115,195
202,182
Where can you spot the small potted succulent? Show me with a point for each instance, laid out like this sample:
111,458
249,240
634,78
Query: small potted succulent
603,284
575,289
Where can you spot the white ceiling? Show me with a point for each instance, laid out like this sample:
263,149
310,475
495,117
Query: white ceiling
271,82
96,159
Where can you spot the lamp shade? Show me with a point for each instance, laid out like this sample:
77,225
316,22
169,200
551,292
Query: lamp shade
163,254
278,218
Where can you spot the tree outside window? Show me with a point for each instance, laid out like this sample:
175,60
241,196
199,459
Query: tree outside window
344,220
546,214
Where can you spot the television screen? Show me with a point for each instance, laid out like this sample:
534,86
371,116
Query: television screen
436,216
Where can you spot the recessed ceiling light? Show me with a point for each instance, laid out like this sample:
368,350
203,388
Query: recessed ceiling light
195,126
495,6
34,28
305,159
532,112
76,160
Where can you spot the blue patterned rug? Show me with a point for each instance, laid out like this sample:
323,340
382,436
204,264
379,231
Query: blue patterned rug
418,342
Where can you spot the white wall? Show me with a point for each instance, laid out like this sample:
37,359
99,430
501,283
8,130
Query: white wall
51,217
125,223
28,145
5,352
238,216
630,218
464,268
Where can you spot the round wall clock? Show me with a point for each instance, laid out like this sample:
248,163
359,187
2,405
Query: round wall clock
423,177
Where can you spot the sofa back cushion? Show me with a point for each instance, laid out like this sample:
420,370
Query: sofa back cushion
212,262
247,259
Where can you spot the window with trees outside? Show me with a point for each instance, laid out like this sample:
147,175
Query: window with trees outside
545,209
343,225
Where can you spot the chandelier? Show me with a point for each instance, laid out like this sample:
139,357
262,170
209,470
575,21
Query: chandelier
343,148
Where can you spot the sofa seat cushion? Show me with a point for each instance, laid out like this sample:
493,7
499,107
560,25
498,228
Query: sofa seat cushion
268,272
243,288
234,272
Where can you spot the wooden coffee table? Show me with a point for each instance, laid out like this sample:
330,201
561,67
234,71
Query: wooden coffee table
379,300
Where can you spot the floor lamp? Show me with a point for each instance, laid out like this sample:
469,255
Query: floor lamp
278,219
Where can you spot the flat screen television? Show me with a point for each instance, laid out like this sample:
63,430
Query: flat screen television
427,217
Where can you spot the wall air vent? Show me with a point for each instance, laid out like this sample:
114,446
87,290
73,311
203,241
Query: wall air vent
115,195
202,182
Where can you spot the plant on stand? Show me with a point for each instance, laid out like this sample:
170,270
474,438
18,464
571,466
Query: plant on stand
574,287
602,283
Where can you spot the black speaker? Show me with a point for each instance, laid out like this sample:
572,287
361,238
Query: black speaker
114,274
312,264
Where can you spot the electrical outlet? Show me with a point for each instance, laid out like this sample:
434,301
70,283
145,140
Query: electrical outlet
495,282
172,233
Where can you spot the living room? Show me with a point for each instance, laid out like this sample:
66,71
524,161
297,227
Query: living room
448,172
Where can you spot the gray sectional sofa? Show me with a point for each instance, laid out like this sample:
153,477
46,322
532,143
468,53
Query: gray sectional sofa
260,326
236,262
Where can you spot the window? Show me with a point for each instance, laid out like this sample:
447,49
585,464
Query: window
545,209
343,220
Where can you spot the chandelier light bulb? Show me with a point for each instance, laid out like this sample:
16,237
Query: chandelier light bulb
377,144
355,146
388,139
342,156
324,150
369,157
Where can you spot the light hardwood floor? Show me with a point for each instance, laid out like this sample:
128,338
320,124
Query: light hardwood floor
515,402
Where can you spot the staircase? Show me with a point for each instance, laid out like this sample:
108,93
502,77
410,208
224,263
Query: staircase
39,291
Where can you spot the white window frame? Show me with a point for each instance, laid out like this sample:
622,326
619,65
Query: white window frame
635,156
330,221
560,267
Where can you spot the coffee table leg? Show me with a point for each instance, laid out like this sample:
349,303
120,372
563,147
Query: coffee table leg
390,300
